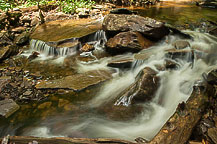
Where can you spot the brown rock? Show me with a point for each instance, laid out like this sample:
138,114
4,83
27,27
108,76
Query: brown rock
114,23
7,51
120,62
76,82
22,39
60,30
142,90
127,42
87,48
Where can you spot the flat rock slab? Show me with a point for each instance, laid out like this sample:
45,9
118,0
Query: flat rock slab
76,82
8,107
59,30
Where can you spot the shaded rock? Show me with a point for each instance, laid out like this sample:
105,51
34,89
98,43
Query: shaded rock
213,31
76,82
3,82
181,44
142,90
33,55
187,55
8,107
54,31
121,62
22,39
212,133
114,23
169,64
212,77
122,11
7,51
5,40
178,32
127,42
208,4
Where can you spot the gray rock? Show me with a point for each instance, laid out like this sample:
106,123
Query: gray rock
181,44
8,107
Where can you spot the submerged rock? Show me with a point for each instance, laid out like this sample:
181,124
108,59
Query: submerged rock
127,42
8,107
142,90
114,23
76,82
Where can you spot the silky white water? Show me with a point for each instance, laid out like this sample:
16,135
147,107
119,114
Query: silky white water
175,87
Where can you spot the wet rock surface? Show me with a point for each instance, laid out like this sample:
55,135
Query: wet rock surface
142,90
181,44
114,23
127,42
76,82
65,29
8,107
15,86
121,62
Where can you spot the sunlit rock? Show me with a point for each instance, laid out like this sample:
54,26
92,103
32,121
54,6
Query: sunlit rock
114,23
142,90
76,82
65,29
8,107
127,42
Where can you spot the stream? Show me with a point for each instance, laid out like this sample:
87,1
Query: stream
98,112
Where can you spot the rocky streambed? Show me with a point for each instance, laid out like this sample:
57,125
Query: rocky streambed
119,77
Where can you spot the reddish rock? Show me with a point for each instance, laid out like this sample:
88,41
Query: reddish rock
127,42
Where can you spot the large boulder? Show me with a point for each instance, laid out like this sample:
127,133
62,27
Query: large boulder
127,42
114,23
142,90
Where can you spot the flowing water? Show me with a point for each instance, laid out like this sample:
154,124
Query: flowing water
91,113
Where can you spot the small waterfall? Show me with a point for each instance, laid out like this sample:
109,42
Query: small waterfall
44,48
